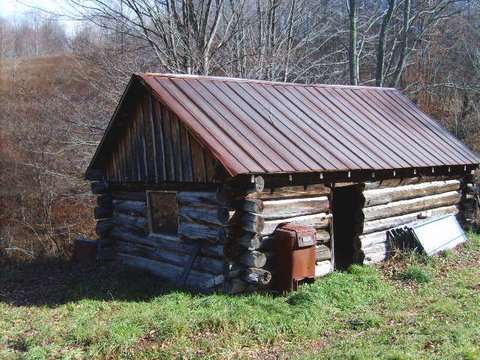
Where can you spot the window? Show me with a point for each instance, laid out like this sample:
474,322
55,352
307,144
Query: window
163,211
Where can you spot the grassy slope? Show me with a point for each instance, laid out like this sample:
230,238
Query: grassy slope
392,312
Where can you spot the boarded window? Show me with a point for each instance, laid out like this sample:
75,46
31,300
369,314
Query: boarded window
163,210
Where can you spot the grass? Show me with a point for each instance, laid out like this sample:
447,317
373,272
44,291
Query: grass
415,273
387,312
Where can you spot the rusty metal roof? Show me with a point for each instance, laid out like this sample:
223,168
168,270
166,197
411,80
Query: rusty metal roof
256,127
270,127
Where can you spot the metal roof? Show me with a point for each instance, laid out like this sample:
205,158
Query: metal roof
256,127
268,127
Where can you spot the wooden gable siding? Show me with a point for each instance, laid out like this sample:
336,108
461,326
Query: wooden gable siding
155,147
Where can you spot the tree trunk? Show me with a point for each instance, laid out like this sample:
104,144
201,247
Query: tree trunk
380,73
353,53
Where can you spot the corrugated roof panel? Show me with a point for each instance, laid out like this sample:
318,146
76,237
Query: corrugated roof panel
267,127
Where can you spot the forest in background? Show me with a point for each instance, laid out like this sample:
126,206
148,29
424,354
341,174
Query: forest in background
58,89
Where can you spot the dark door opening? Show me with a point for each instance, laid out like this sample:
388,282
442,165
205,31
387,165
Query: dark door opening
347,203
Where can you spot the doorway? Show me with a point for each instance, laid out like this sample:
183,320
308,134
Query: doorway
347,202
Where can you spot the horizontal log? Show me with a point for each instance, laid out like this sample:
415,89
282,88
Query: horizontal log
285,208
251,222
253,258
130,195
103,227
249,241
408,206
202,198
385,196
102,213
249,205
99,187
292,192
136,223
323,268
323,253
386,183
322,236
201,263
171,273
392,222
318,221
167,242
210,233
104,200
130,207
215,215
257,276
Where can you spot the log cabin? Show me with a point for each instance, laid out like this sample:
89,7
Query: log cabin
194,175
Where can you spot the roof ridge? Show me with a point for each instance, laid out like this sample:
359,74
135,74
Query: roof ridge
267,82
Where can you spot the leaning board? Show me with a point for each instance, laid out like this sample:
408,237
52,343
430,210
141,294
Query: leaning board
439,234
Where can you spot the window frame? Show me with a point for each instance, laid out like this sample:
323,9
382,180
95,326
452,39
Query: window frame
151,232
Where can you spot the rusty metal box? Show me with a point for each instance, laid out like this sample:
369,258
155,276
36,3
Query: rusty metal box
294,251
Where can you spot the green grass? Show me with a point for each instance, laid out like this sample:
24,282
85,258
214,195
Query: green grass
415,273
387,312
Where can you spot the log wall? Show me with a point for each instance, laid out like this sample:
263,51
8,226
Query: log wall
388,207
193,258
257,215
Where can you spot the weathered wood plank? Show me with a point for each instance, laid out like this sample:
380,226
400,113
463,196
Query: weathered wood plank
168,243
186,154
159,139
198,161
250,241
322,236
169,149
251,222
292,192
202,198
171,273
135,223
215,215
201,263
323,253
249,205
318,221
177,151
257,276
385,196
130,207
205,232
253,258
286,208
407,206
388,223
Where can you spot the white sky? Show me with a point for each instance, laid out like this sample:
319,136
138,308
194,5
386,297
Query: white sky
16,9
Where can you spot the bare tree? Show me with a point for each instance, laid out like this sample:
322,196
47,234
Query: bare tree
353,50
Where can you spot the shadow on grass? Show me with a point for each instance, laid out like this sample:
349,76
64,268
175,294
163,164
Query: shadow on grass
55,282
